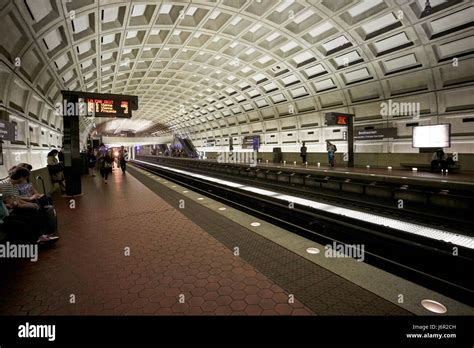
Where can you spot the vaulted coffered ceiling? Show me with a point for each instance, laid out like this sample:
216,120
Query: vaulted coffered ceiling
194,64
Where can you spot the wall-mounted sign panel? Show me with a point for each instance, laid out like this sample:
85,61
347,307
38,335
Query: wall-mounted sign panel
251,142
7,130
376,134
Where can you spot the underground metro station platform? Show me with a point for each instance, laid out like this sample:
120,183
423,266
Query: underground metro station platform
271,171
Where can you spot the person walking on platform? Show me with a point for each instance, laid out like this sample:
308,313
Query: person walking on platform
303,151
91,161
102,150
105,161
106,169
123,158
331,149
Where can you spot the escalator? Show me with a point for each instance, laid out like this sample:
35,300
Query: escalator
188,147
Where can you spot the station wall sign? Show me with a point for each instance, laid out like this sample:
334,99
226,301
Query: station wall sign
251,142
376,134
7,130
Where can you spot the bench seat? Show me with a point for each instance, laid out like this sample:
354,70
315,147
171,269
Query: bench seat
428,166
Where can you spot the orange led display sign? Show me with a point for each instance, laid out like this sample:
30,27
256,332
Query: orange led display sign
108,107
102,104
337,119
341,120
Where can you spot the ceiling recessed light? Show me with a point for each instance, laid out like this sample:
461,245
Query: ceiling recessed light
200,199
222,208
255,224
185,191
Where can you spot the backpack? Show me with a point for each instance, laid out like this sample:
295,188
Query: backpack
335,148
107,164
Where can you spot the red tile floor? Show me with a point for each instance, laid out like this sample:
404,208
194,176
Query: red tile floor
125,251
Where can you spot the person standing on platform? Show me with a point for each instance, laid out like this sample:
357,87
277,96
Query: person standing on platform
123,158
303,151
61,155
56,169
331,149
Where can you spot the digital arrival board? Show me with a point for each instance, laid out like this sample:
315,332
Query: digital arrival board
104,105
78,104
108,108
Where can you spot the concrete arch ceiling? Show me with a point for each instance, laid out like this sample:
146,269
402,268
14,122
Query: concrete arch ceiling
195,65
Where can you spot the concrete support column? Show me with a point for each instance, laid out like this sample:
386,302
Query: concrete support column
71,143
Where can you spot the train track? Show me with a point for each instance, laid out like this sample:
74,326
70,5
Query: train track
425,260
458,224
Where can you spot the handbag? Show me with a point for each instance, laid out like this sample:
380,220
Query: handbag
55,168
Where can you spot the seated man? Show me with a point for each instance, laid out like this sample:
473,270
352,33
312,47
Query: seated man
438,160
22,209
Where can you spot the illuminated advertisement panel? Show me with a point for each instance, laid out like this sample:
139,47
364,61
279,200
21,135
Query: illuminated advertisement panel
437,136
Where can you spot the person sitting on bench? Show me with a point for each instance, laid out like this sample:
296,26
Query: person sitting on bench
23,210
27,192
450,161
438,160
